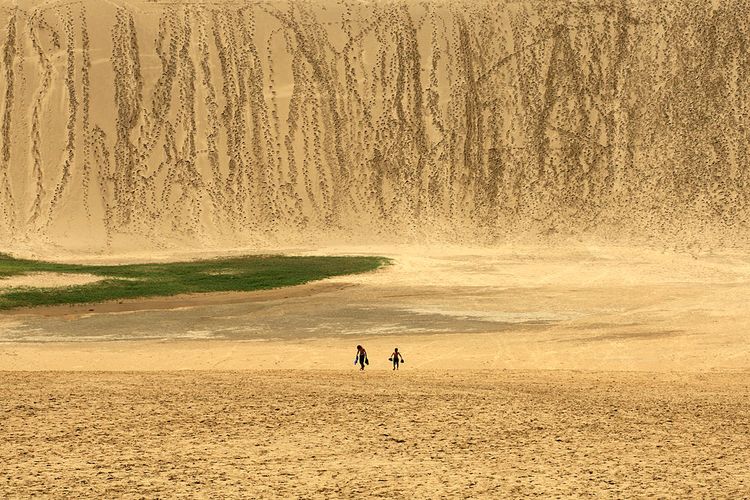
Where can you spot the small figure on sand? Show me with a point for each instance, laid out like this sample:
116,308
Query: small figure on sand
361,357
395,358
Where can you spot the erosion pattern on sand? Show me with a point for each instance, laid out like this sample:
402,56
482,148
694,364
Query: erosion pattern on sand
144,122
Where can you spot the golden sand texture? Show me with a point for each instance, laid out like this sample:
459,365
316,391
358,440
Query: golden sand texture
133,124
47,280
512,307
308,434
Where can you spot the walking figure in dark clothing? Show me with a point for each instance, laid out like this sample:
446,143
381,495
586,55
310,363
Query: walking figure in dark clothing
361,357
395,358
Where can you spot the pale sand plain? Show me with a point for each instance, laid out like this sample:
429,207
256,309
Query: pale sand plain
586,371
337,434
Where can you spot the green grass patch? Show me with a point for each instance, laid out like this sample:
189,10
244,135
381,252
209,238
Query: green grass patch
159,280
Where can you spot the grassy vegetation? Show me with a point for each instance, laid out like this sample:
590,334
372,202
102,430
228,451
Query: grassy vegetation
151,280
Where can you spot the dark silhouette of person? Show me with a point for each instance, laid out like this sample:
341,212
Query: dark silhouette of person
361,357
395,358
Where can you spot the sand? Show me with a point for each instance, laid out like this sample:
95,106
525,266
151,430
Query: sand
47,280
562,185
209,124
337,434
514,307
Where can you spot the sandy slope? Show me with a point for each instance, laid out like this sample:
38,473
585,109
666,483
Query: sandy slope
336,434
131,124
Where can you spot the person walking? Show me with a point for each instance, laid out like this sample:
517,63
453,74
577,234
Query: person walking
361,357
395,358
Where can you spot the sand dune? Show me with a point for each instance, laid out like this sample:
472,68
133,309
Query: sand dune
130,124
563,187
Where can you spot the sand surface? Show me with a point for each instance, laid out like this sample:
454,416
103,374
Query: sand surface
543,372
584,307
310,434
139,124
47,280
588,160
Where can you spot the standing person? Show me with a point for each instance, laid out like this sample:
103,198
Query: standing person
361,357
395,358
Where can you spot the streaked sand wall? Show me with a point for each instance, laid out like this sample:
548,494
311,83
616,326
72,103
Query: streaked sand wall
142,123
